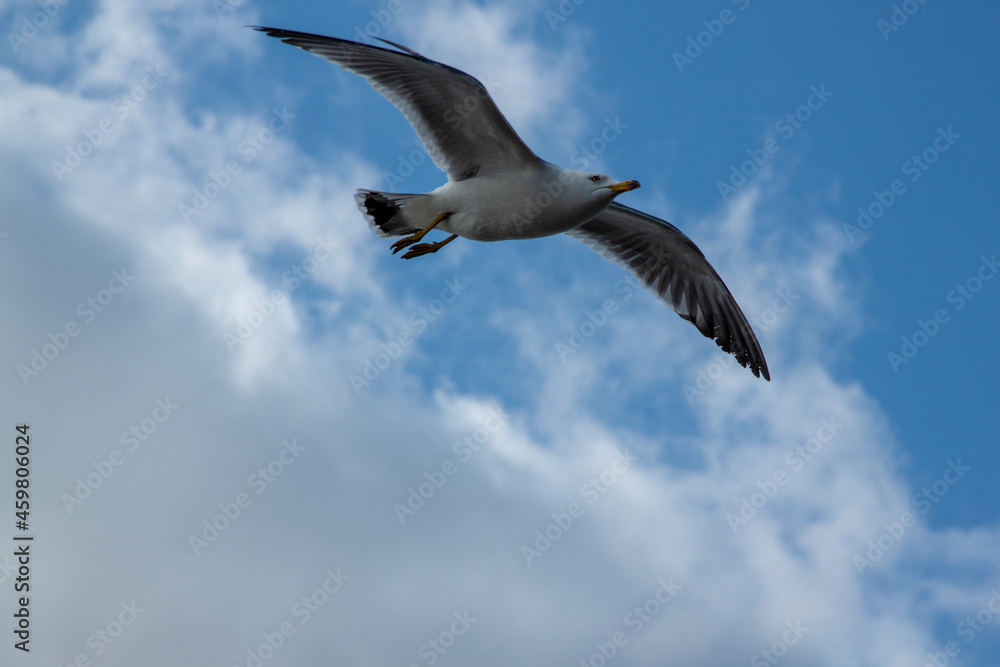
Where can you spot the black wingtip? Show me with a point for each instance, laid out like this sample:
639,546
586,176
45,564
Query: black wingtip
756,366
758,360
280,33
756,363
288,35
746,350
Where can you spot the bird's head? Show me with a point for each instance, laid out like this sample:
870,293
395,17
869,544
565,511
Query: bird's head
581,195
601,187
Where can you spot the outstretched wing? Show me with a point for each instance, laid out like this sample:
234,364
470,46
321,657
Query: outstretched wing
673,268
454,115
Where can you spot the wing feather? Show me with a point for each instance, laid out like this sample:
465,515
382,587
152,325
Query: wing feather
452,112
672,267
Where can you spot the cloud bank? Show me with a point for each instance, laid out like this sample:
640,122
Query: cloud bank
213,488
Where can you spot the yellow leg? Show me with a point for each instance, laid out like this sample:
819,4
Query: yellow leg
428,248
416,236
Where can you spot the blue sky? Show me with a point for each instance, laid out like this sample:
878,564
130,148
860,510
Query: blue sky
789,517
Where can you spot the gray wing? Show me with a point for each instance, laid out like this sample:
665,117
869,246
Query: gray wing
454,115
673,268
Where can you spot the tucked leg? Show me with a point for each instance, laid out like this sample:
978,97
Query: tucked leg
428,248
416,236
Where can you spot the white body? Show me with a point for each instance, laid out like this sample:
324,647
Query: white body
539,201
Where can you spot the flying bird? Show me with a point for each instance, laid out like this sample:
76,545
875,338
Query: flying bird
499,190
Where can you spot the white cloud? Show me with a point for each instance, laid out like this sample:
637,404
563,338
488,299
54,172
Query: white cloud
333,505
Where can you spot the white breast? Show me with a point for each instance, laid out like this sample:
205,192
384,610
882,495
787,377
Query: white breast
518,205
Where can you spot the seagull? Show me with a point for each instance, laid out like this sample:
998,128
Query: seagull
499,190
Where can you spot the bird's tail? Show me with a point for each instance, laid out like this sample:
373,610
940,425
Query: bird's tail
384,211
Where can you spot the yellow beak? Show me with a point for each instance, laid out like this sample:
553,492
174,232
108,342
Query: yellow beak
624,186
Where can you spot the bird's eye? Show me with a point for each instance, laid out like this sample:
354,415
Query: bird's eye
595,178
